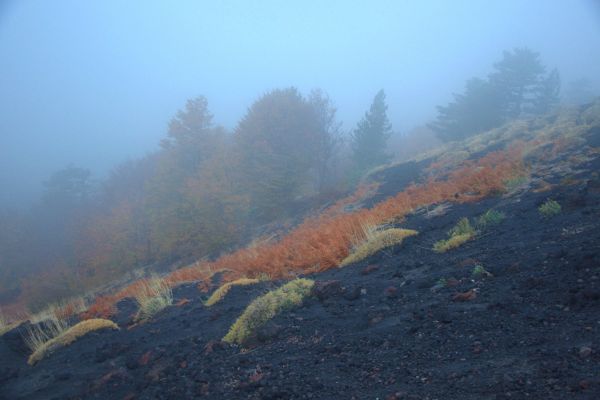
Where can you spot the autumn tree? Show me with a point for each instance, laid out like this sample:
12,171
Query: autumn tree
191,134
176,226
220,207
280,140
369,139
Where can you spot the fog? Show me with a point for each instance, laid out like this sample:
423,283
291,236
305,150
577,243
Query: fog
96,83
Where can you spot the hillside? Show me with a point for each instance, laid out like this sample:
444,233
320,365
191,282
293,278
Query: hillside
509,311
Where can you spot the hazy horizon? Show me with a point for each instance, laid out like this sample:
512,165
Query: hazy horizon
96,83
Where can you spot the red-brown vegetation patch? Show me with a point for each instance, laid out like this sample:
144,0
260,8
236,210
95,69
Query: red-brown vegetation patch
182,302
322,242
145,358
465,296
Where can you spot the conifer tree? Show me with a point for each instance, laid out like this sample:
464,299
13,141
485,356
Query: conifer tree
517,86
369,139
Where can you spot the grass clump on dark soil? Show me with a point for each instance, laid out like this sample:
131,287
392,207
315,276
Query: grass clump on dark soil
460,234
550,208
266,307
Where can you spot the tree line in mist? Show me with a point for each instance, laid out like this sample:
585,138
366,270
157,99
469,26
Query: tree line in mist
203,192
206,190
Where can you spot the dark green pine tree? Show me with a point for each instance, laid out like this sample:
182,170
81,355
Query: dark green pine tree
369,139
474,111
516,79
516,87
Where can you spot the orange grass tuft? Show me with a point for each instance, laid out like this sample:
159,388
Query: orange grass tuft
322,242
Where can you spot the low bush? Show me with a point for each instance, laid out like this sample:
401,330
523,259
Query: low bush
376,241
463,227
550,208
489,218
69,336
460,234
266,307
152,296
220,293
453,242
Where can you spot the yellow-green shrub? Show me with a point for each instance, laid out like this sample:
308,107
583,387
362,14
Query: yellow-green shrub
69,336
377,241
154,295
455,241
266,307
461,233
224,289
463,227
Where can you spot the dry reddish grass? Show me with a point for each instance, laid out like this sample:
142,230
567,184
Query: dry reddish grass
322,242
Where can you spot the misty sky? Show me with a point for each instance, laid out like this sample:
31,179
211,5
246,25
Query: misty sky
95,82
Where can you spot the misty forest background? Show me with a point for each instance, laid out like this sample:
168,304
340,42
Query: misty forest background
208,190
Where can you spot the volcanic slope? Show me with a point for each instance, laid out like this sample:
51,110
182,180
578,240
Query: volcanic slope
512,313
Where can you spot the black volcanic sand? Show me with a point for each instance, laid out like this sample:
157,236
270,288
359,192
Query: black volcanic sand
395,179
383,328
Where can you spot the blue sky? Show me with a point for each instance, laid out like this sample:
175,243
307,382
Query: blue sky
95,82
